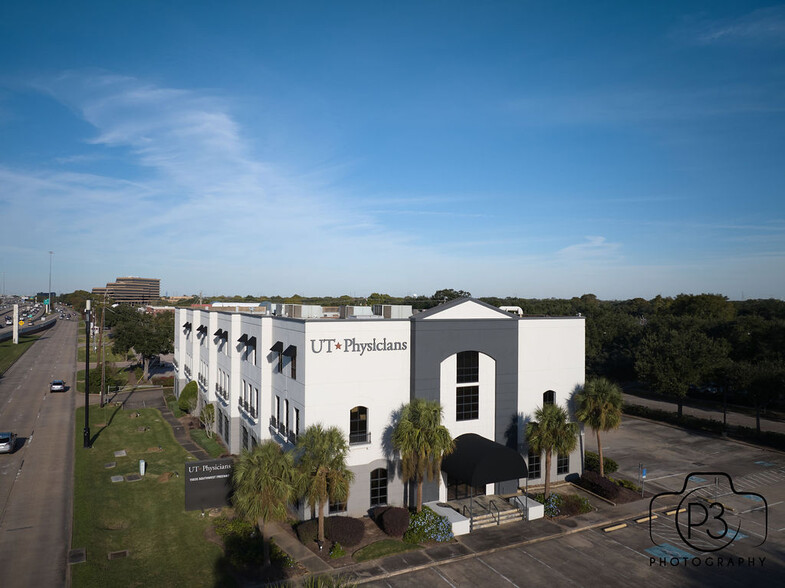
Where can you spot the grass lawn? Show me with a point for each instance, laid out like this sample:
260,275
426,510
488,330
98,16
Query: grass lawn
167,545
210,444
382,548
9,352
95,356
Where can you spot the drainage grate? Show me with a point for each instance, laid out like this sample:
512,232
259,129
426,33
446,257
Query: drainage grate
76,556
118,554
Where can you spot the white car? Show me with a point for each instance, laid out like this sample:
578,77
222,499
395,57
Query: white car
57,386
7,442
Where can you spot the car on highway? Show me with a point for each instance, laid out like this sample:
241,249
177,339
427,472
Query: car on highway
57,386
7,442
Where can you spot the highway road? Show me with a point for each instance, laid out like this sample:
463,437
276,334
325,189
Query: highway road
36,482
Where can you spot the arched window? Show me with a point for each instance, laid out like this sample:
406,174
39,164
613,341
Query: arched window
548,397
358,425
378,487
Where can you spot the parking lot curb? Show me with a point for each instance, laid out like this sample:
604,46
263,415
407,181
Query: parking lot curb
564,533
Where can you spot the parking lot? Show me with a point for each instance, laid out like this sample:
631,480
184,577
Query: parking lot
644,553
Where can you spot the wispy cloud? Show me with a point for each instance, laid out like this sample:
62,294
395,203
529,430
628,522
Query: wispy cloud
593,248
761,26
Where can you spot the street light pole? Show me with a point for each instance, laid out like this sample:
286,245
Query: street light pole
49,309
87,378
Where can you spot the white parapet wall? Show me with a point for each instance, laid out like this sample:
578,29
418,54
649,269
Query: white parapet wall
460,524
532,508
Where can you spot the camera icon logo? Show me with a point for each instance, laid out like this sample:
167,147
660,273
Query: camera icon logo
711,514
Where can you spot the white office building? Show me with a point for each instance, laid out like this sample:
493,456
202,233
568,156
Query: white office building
270,377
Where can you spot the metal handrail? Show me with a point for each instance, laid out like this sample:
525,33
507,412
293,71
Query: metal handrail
492,505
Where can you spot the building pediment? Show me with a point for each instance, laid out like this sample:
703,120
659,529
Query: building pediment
464,308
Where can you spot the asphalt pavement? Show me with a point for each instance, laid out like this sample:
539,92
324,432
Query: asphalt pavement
36,482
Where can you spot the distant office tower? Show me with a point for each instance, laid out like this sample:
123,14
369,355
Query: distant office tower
131,290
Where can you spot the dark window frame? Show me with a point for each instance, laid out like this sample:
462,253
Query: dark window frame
467,403
534,464
562,464
358,425
379,486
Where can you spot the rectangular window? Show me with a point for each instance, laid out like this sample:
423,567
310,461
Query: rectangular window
245,438
378,487
277,410
468,367
286,416
296,421
280,362
220,420
563,464
337,507
534,466
467,403
293,367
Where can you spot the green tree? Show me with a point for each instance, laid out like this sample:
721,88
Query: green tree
264,482
188,395
550,431
207,418
322,464
422,441
148,335
599,406
669,360
450,294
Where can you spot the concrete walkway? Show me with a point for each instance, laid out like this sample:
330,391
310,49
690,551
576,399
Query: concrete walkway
291,545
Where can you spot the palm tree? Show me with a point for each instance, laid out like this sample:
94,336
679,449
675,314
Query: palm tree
322,465
599,406
551,432
264,482
422,441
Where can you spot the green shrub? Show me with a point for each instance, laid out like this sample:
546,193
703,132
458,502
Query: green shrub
625,484
574,505
187,399
591,462
347,531
336,551
307,531
395,521
427,526
552,504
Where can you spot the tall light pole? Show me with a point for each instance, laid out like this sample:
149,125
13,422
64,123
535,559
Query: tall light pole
87,377
49,309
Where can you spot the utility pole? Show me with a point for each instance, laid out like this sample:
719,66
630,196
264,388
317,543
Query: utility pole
101,347
49,306
87,377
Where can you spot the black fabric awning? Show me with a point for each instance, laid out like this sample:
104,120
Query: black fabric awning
217,333
187,326
243,338
478,461
202,329
291,351
278,347
251,342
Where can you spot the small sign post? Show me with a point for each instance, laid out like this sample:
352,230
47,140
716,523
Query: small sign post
643,480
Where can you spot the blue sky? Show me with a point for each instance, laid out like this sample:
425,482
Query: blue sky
532,149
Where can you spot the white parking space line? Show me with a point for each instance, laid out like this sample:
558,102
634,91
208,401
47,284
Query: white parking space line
442,576
497,572
555,571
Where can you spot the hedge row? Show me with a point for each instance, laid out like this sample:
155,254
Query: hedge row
347,531
591,462
768,438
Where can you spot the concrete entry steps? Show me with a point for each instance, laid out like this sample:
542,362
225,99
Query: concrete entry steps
488,510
